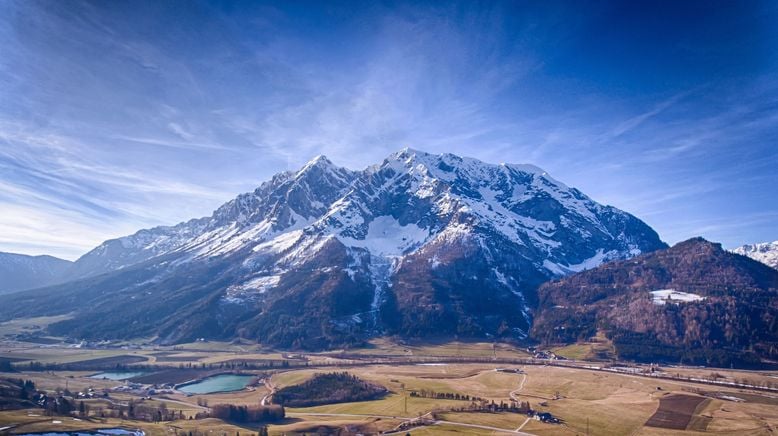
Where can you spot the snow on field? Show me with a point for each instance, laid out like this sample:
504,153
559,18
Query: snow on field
662,296
387,237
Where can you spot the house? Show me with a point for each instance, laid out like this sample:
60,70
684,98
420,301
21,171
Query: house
546,417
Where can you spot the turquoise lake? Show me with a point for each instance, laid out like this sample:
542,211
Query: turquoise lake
218,383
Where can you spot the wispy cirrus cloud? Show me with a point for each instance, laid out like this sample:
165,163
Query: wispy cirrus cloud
106,118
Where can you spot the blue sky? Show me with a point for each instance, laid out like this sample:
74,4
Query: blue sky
115,116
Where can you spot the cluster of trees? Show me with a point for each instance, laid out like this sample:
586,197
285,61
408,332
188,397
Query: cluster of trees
16,393
22,394
427,393
241,414
6,366
56,405
492,407
245,364
135,410
142,412
17,388
328,388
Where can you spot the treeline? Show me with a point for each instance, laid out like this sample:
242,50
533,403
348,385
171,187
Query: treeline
245,414
647,348
477,404
328,388
492,407
22,394
17,388
426,393
6,366
16,393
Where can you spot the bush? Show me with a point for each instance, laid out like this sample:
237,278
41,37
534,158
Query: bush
230,412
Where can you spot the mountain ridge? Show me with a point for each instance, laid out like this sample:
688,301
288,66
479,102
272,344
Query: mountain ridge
765,252
20,271
415,245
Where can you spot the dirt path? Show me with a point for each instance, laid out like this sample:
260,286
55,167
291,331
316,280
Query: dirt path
266,399
523,424
521,386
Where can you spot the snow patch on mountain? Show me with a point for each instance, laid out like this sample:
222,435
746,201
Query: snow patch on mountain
593,262
387,237
279,243
765,252
251,288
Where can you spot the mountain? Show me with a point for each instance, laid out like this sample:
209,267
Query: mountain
694,302
765,252
289,201
417,245
19,271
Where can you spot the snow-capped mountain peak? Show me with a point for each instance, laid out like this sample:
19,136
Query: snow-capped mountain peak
765,252
415,238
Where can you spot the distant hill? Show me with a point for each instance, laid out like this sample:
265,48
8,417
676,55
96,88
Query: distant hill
692,303
19,271
765,252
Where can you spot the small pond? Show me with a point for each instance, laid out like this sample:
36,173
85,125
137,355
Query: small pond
117,375
217,383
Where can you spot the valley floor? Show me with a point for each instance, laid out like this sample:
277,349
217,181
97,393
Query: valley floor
587,397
